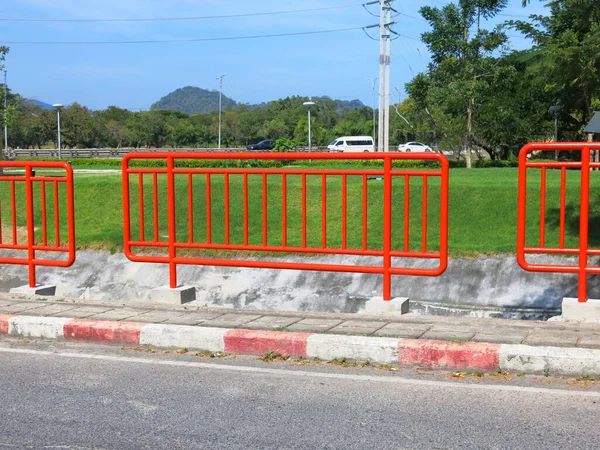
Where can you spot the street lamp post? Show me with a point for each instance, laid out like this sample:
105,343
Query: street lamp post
220,78
58,107
555,109
373,83
308,105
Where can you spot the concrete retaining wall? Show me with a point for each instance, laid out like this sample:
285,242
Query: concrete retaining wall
484,281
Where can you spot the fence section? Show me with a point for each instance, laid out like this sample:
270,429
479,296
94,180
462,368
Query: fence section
37,221
195,209
545,210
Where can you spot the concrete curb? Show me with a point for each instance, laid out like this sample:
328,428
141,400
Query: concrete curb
376,350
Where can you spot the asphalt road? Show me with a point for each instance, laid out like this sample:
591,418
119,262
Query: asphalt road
75,396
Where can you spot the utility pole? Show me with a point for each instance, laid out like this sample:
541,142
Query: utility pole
385,45
381,74
388,53
220,78
5,115
373,80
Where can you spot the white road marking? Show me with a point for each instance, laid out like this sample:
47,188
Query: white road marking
302,374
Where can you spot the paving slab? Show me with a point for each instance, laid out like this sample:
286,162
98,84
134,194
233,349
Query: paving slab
81,312
495,338
7,302
231,320
52,309
553,339
357,327
17,308
446,334
156,316
271,323
314,325
589,340
117,314
194,318
403,330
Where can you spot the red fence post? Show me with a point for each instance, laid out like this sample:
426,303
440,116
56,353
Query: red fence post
584,216
387,227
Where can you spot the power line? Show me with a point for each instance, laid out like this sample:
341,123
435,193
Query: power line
172,19
165,41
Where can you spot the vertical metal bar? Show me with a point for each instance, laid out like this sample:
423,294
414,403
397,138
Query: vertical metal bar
387,228
365,198
226,193
345,211
190,208
155,193
324,211
14,211
583,223
563,199
172,224
208,211
56,214
30,226
424,243
264,209
284,210
543,207
44,223
245,209
141,191
303,210
406,212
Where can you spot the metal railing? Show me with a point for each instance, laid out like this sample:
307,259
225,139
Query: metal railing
176,209
36,215
562,244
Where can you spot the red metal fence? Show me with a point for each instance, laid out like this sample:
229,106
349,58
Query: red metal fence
177,204
563,212
37,215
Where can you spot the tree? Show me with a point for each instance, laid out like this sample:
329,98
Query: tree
566,55
462,60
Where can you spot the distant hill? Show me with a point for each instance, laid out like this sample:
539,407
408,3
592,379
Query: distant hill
192,100
195,100
342,104
39,103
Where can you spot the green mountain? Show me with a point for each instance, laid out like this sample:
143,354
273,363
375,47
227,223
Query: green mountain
192,100
195,100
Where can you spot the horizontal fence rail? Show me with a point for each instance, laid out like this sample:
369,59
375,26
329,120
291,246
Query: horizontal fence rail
554,208
191,209
37,220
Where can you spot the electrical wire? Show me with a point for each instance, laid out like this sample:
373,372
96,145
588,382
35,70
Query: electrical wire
168,41
172,19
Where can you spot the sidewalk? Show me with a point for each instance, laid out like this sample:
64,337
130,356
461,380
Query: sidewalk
561,348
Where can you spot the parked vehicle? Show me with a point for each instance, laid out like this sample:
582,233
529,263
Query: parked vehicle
414,147
262,145
352,144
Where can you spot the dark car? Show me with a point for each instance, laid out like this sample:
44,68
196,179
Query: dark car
262,145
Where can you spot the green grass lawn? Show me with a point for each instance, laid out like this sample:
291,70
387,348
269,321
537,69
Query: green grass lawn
482,211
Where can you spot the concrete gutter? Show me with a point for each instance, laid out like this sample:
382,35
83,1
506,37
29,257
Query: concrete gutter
437,342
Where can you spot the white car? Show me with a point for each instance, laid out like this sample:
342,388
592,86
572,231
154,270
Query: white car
414,147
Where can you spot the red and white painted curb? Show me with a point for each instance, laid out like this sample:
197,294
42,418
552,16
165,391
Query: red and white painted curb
377,350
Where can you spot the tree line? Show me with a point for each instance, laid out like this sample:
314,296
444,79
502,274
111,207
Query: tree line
475,94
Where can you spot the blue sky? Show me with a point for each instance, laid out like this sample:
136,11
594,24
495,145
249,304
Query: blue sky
257,70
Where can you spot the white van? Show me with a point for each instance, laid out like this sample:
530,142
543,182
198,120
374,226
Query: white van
352,144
